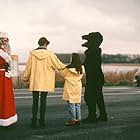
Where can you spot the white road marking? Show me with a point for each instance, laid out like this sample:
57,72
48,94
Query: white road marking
105,94
28,97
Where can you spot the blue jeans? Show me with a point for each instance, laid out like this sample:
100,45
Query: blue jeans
74,111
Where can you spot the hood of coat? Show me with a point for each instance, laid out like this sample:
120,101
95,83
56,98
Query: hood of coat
73,70
40,53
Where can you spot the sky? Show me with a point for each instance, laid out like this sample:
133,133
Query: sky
63,22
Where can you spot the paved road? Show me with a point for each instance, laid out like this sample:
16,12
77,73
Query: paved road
122,104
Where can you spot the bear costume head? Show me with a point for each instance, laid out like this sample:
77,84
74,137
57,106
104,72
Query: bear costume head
93,40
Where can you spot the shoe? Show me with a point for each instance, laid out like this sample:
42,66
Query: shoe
102,118
71,123
77,122
33,123
42,123
89,120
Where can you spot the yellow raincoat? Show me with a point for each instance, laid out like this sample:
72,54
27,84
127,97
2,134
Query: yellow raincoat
73,85
40,70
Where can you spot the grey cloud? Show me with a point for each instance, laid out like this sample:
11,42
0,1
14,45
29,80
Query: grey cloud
115,7
125,12
118,20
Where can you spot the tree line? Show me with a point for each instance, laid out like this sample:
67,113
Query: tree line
106,58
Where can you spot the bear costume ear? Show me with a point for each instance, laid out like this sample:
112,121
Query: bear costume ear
96,36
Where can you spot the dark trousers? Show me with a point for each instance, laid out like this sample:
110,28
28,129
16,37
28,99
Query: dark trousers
43,97
93,99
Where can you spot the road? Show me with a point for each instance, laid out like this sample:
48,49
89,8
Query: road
123,108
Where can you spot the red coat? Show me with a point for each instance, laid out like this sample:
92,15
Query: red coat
8,114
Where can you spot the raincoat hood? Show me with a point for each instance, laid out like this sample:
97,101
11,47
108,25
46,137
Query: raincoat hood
40,53
40,70
73,70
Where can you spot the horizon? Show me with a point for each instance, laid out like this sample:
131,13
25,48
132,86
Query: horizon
129,55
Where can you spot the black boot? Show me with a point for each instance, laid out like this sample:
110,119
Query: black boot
90,119
103,117
101,106
42,123
33,122
42,109
34,109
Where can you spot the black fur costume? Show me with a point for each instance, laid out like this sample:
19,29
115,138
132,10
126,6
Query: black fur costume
94,77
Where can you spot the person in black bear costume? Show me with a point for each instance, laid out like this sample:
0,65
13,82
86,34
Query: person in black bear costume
94,78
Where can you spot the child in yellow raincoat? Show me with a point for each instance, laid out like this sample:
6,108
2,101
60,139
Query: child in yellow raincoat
73,74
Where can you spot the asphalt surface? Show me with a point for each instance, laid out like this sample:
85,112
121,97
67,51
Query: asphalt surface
122,105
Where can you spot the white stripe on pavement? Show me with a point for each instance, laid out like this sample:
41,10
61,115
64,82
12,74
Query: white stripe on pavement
28,97
106,94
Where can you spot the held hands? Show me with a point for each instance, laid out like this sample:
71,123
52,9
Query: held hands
24,79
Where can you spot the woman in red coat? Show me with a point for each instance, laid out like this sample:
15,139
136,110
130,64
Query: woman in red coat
8,114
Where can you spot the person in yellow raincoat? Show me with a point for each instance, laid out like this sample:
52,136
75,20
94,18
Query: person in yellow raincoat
40,71
73,74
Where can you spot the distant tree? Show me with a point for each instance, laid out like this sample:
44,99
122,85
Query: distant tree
106,58
119,58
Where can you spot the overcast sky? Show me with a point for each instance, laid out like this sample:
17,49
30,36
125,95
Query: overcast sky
64,21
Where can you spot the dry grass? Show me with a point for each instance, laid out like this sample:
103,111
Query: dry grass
120,78
111,78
